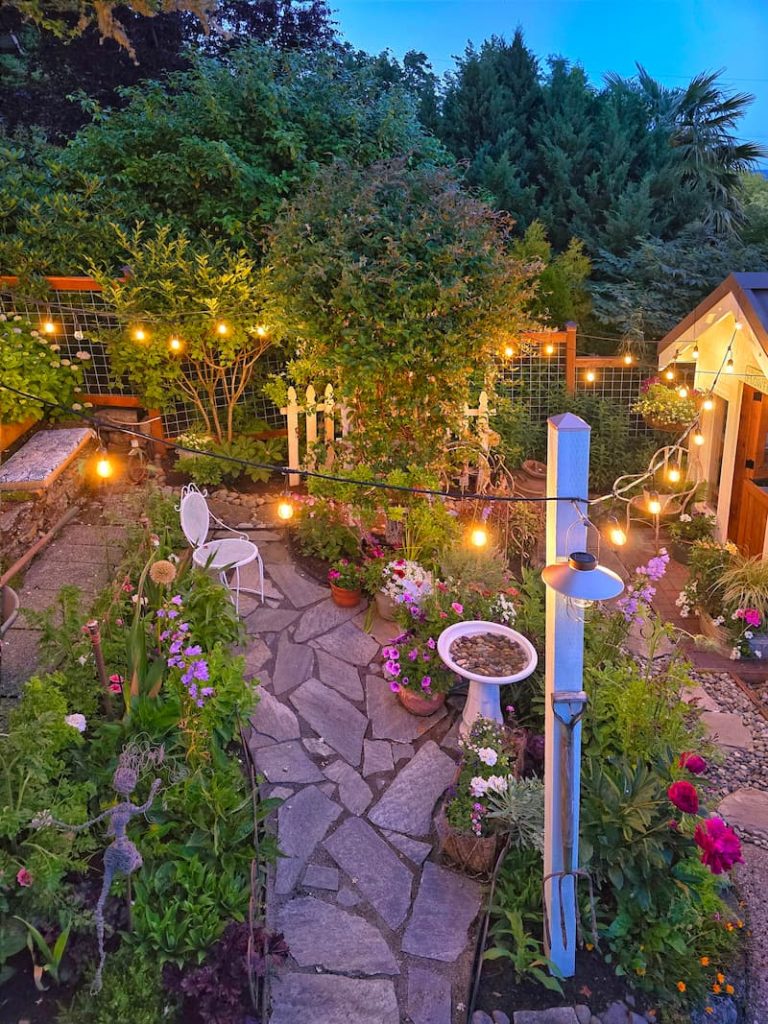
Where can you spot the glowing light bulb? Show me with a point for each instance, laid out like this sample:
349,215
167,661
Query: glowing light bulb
669,374
618,537
682,391
695,353
285,509
509,351
708,405
698,438
590,376
478,537
654,505
49,327
104,468
139,334
549,349
729,364
673,474
628,358
261,330
222,329
175,344
738,325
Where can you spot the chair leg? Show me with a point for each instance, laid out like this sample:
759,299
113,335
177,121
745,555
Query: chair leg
261,577
237,590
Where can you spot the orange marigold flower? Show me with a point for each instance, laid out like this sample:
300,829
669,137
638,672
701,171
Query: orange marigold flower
709,1009
721,978
681,986
717,989
704,961
729,989
728,926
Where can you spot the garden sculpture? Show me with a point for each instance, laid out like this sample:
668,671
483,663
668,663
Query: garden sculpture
121,857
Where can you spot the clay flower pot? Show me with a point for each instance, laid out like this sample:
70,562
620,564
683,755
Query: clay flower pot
419,705
385,606
345,598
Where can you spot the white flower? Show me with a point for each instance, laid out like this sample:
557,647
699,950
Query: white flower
478,786
174,559
685,518
77,722
17,330
82,355
3,316
488,756
719,620
82,659
76,406
17,317
66,362
497,783
135,599
34,334
735,654
758,653
748,634
78,335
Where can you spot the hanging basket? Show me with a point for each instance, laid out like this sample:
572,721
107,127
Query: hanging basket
663,426
474,854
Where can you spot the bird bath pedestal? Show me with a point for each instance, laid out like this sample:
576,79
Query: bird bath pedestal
483,698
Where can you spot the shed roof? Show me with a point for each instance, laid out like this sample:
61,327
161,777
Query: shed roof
750,290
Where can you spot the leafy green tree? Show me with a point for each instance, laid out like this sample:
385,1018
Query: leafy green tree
754,230
561,294
397,286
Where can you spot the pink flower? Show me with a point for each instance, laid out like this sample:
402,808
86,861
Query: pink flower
674,825
431,644
24,878
693,763
684,796
115,678
115,688
413,655
119,622
333,574
128,588
392,668
458,608
443,615
719,844
394,687
426,682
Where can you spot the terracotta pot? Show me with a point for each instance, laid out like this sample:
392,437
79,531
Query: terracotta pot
418,705
475,854
535,470
717,633
345,598
385,606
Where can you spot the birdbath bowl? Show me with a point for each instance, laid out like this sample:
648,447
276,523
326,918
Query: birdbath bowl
483,699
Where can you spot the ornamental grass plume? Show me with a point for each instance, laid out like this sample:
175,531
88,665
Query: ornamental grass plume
162,572
684,796
720,846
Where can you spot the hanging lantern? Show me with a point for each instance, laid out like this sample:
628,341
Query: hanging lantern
104,468
582,581
695,353
654,504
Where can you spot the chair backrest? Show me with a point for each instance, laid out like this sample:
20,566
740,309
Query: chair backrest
195,516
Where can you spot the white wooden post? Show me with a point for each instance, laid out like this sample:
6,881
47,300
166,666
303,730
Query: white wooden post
483,433
567,476
310,411
330,432
291,412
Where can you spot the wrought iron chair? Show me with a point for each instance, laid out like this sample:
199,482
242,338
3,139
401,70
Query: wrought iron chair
222,554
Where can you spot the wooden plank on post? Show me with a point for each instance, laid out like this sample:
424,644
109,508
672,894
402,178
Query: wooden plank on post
329,425
291,413
310,415
570,357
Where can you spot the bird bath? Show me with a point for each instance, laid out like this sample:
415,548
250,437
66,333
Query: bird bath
483,698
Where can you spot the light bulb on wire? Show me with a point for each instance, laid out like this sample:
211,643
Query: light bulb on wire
478,536
698,438
222,329
654,505
49,327
669,373
616,535
509,351
695,353
139,334
261,331
673,474
628,358
285,509
175,344
549,349
682,391
104,468
590,376
708,405
729,363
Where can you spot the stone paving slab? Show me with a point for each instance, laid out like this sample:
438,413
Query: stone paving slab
331,999
429,996
339,675
269,620
411,848
275,718
293,665
332,717
354,793
728,730
321,619
390,719
377,757
349,643
554,1015
407,804
746,808
299,590
287,762
302,822
320,934
432,932
51,575
698,695
318,876
374,868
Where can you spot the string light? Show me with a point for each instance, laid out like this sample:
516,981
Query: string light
695,353
104,467
478,536
549,349
729,363
222,329
698,438
669,373
139,334
682,391
175,344
261,330
708,405
738,325
616,535
49,327
509,351
590,376
285,509
628,359
673,474
654,504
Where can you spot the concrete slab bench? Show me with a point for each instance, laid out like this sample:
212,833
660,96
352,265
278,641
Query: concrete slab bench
43,458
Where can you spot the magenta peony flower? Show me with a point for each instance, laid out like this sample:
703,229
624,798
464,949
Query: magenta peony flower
115,688
684,796
458,608
719,844
24,878
693,763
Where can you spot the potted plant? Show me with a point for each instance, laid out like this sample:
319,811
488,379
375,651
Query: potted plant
401,578
33,362
346,582
662,408
488,799
744,586
703,593
416,673
686,530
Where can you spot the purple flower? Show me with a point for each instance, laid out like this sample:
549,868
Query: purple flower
194,649
407,599
160,613
165,634
207,691
394,687
200,668
184,627
413,655
177,599
173,614
431,643
426,682
392,668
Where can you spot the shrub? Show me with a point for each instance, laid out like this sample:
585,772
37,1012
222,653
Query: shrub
31,362
132,991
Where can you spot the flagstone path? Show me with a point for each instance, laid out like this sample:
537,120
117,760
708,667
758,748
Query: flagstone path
379,931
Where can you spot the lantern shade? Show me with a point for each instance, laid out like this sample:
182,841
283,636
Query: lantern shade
581,578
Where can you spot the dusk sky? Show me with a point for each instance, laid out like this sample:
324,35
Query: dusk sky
673,39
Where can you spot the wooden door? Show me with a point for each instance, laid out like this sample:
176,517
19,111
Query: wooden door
749,502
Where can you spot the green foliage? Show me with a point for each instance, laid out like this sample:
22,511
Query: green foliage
688,528
661,402
30,362
132,990
469,568
322,533
561,295
181,907
518,812
376,273
51,956
205,470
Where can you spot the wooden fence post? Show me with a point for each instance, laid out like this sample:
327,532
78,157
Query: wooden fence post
570,356
291,412
310,410
329,423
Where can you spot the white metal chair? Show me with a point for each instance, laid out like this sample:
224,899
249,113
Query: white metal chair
223,554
